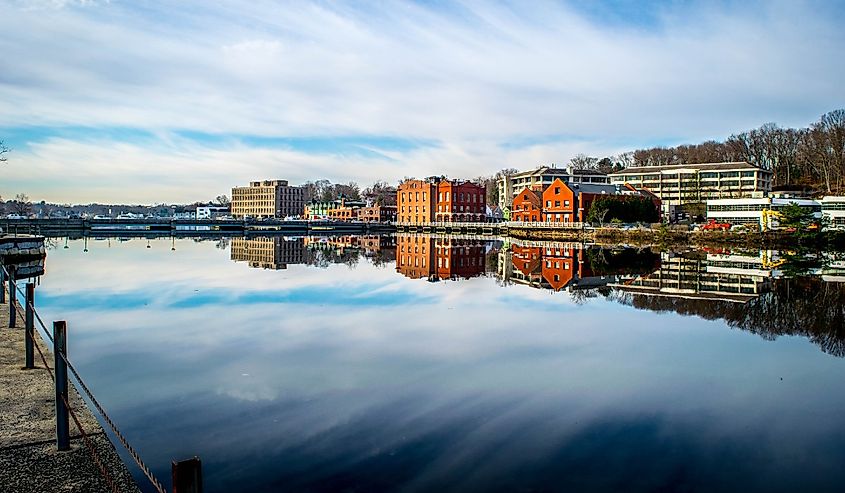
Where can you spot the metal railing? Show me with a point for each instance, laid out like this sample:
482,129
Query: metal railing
187,474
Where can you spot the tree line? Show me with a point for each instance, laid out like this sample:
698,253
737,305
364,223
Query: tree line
812,156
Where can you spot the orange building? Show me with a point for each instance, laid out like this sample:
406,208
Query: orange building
415,201
559,203
377,213
527,206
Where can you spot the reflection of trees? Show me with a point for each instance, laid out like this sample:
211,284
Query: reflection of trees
323,257
804,306
605,261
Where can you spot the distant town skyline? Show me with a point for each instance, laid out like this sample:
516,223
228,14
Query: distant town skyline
180,101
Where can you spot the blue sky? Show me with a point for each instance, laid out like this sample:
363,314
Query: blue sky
180,101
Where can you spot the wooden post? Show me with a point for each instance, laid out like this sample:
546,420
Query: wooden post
60,353
187,475
2,290
12,298
29,336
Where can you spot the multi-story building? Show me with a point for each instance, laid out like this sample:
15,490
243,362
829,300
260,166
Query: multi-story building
440,199
377,213
833,209
760,211
540,178
416,199
268,198
460,201
318,209
268,252
562,202
527,206
345,210
212,211
680,184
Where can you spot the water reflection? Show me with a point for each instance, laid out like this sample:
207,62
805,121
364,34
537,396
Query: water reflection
545,367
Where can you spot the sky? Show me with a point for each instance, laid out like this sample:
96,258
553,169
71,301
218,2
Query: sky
151,102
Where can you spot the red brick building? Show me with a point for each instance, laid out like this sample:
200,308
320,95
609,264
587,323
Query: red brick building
527,206
460,201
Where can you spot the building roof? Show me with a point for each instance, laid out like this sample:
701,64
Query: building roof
534,196
546,170
597,188
671,167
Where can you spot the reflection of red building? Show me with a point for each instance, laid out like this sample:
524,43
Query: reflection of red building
553,267
420,257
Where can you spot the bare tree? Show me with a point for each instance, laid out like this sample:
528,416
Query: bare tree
583,161
222,200
21,205
3,151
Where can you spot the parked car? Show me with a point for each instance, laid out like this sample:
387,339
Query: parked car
712,225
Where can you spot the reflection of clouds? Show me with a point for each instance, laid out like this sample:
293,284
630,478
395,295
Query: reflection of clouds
487,380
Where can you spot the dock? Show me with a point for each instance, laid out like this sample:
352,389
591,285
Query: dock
29,459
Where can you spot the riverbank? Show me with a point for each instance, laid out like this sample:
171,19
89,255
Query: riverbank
668,236
29,461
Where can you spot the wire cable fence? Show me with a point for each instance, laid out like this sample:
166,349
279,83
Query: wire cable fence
20,311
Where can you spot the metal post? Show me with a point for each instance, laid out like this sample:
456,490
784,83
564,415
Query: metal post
187,475
29,336
12,297
2,290
60,353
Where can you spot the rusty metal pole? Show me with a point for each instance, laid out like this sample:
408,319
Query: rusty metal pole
29,336
60,353
187,475
12,297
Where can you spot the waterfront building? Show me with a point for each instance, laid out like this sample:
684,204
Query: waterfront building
460,201
212,211
527,206
266,252
680,184
345,209
268,198
762,212
377,213
318,209
415,200
561,202
833,209
540,178
440,199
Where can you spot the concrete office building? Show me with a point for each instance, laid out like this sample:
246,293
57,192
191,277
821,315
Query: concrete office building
680,184
268,198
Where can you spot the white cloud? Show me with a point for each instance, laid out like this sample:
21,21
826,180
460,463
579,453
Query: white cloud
469,77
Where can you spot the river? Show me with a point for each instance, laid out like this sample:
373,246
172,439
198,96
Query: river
441,364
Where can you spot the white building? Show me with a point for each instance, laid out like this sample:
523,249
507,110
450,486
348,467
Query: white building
211,211
680,184
833,208
760,211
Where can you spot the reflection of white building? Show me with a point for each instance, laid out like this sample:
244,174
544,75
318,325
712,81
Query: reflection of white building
759,211
726,277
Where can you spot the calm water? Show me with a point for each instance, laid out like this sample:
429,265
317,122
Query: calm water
416,364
